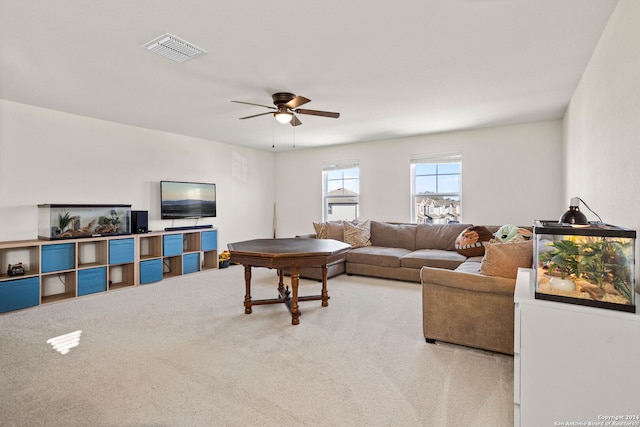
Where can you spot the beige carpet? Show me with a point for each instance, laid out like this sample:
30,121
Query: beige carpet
182,352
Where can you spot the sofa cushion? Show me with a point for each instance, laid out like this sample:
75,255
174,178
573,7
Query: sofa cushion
357,235
438,236
432,258
472,239
503,259
393,235
471,265
376,255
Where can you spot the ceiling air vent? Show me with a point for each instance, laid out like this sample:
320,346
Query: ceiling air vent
173,48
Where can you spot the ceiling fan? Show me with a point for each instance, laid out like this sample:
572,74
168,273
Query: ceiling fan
286,104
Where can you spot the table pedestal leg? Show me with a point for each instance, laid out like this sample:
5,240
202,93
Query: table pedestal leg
295,313
247,295
325,294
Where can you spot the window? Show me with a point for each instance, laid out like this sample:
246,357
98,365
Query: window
435,187
340,190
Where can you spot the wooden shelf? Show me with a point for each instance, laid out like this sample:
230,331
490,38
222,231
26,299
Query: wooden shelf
65,260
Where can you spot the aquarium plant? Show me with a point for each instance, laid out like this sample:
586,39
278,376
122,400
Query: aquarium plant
598,262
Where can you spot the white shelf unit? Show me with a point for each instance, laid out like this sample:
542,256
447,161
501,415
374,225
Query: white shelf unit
573,363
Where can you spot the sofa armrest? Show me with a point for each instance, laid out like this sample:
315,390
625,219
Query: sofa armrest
467,281
468,309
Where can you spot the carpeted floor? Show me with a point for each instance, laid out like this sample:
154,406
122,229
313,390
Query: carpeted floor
182,352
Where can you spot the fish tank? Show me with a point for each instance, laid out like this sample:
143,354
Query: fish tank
56,222
592,265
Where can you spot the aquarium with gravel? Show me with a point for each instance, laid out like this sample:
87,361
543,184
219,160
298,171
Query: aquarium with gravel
57,221
592,265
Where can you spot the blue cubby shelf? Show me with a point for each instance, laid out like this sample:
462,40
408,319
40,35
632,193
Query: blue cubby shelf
58,257
121,251
62,270
150,271
92,280
172,244
209,240
19,293
191,263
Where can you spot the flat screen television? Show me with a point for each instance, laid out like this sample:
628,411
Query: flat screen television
187,200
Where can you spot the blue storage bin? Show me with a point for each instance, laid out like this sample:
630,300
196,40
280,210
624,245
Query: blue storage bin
190,263
172,244
58,257
150,271
19,293
92,280
121,251
209,240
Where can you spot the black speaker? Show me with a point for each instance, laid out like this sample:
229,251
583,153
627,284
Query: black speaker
139,222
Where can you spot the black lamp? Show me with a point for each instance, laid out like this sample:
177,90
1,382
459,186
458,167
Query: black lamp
573,216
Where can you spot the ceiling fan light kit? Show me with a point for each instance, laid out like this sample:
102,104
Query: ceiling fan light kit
286,104
283,115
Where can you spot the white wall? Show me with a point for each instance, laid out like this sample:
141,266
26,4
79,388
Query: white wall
510,174
48,156
602,125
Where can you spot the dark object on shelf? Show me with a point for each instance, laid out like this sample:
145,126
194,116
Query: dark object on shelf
139,222
15,269
223,264
188,227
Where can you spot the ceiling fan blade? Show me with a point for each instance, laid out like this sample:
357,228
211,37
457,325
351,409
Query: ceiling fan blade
296,102
256,115
295,121
318,113
257,105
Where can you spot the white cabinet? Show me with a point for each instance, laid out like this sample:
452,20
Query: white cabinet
573,364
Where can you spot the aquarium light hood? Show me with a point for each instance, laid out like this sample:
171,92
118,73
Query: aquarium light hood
574,217
174,48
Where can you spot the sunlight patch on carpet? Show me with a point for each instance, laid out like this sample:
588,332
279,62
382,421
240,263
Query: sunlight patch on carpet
66,342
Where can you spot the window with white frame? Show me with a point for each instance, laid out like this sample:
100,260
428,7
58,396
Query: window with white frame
340,190
436,188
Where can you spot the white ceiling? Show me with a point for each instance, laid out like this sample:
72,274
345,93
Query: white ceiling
391,68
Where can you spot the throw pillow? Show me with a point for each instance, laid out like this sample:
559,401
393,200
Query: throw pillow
472,240
357,235
509,232
321,230
335,230
329,230
503,259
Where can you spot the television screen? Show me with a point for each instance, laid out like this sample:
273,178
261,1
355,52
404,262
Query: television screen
187,200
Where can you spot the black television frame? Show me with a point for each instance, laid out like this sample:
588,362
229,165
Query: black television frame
182,211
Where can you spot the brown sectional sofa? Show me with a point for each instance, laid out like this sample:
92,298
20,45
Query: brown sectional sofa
398,251
460,304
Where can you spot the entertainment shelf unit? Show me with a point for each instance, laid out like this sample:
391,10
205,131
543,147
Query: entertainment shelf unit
57,270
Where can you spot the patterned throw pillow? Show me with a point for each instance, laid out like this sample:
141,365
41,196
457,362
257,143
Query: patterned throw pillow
357,235
321,230
472,240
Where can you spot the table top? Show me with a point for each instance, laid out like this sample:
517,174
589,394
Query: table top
288,247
